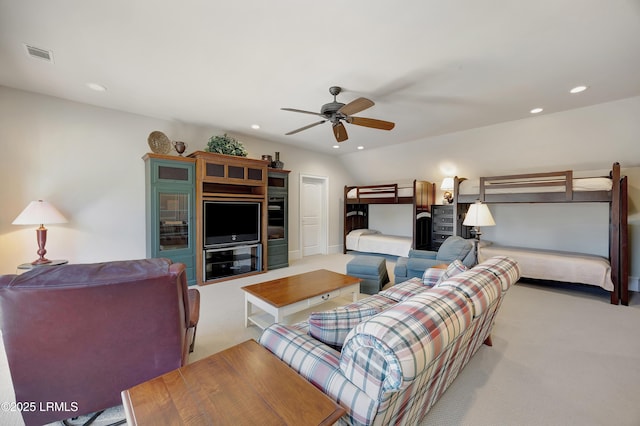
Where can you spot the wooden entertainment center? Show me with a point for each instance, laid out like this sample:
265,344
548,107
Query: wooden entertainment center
228,178
215,180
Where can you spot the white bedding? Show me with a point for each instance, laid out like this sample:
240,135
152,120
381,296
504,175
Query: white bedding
472,186
372,241
404,190
554,265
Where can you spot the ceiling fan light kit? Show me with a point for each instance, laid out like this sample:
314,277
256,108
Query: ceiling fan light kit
337,113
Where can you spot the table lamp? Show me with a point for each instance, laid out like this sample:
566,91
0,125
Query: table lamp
447,187
40,213
478,215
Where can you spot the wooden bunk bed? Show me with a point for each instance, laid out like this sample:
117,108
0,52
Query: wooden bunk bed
420,194
562,187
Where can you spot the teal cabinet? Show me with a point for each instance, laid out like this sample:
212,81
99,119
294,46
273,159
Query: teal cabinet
170,210
277,219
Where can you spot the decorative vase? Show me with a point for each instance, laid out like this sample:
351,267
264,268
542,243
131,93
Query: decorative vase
268,158
179,147
277,164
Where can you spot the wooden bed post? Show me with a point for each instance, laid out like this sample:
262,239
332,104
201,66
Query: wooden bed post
615,215
624,244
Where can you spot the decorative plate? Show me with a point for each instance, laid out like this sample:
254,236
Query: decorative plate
159,142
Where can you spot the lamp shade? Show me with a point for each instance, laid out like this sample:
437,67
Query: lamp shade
478,215
39,213
447,184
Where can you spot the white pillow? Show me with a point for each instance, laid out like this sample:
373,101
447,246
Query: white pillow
358,232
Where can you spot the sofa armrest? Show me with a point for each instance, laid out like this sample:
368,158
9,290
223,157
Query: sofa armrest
6,279
400,270
320,365
193,299
422,254
299,350
194,307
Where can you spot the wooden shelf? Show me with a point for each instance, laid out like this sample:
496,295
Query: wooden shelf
228,195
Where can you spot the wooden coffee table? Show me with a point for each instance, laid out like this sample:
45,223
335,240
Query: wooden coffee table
285,296
243,385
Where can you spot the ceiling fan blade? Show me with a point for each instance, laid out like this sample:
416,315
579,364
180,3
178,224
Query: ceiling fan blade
340,132
371,122
305,127
302,111
356,106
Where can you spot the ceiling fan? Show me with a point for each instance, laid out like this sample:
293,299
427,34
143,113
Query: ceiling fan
337,112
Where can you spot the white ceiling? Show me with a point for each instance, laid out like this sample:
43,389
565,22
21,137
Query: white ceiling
431,66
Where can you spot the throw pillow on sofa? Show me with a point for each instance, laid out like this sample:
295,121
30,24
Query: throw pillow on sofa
456,267
404,290
432,276
331,327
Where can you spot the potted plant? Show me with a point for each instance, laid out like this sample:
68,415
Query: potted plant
226,145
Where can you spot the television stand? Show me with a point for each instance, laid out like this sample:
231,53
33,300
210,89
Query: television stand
230,261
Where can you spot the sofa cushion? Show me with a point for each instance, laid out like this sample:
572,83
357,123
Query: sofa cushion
376,301
453,248
404,290
331,327
503,267
456,267
480,286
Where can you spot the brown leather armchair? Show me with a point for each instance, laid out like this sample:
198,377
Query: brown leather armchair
78,335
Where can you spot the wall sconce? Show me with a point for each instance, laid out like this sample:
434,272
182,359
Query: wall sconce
40,213
447,187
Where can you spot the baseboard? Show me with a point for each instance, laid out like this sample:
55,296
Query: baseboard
295,255
634,284
337,249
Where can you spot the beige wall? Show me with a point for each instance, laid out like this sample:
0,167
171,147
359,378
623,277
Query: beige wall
88,162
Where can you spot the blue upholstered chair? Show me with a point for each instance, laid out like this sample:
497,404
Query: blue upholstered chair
420,260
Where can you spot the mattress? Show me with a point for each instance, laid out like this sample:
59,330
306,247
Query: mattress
372,241
472,186
404,190
554,265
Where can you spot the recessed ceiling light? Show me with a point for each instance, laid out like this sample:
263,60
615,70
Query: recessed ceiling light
578,89
255,126
97,87
361,147
336,146
536,110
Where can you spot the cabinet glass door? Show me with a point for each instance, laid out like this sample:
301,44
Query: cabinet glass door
174,220
276,218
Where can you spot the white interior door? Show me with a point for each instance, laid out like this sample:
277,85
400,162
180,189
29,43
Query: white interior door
313,215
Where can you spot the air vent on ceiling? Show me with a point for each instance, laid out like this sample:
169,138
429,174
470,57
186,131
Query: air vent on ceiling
38,53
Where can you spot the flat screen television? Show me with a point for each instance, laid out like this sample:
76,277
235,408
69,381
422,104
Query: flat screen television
230,222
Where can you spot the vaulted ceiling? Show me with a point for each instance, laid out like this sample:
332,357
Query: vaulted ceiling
431,67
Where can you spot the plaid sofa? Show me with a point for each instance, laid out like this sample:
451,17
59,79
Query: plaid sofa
395,365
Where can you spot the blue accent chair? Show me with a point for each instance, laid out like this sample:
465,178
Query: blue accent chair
452,248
